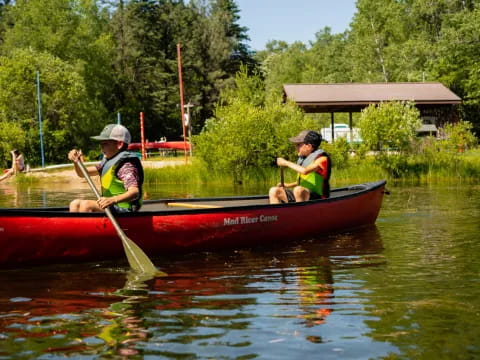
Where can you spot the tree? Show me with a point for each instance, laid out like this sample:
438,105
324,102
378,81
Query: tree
71,30
327,60
68,115
376,25
283,66
457,53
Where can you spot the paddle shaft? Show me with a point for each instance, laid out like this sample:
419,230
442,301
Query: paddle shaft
282,177
137,259
97,194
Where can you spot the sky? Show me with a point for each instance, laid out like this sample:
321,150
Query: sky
292,20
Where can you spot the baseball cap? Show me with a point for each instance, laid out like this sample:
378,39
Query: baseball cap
114,132
307,137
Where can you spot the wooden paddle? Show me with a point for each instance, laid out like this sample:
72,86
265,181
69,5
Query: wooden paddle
138,260
282,178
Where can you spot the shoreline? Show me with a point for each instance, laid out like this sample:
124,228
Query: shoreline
65,173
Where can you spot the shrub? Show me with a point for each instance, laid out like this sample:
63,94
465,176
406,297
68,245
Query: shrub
389,125
246,134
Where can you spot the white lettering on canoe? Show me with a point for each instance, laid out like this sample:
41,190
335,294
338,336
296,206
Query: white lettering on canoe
245,220
2,229
264,218
230,221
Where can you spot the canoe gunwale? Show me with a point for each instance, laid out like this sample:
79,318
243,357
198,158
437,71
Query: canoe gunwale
63,211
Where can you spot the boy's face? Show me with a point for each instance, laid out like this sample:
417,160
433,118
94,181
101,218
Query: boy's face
110,147
303,149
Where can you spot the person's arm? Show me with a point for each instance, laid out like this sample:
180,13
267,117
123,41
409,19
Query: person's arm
131,194
76,155
298,168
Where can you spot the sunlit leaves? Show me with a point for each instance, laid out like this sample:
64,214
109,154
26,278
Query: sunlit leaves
389,125
245,134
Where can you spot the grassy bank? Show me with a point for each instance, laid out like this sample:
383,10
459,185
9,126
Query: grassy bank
463,168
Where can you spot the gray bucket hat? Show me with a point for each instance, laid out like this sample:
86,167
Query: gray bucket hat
114,132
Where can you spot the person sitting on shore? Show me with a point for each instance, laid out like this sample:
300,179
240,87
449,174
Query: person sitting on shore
313,167
18,165
121,174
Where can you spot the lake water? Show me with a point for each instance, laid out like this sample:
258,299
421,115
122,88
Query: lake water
407,288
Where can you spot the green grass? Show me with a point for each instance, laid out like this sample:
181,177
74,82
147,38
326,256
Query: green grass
444,168
411,169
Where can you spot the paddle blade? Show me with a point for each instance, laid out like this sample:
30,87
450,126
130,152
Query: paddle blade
138,260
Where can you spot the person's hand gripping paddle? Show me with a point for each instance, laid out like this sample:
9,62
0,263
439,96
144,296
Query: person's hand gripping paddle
138,260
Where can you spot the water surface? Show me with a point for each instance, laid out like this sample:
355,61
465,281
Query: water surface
407,288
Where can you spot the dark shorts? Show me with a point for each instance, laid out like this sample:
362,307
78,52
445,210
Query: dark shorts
291,197
119,210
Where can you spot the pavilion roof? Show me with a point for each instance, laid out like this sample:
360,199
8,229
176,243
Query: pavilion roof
350,97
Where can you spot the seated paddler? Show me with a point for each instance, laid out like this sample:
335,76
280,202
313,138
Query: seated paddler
121,173
313,168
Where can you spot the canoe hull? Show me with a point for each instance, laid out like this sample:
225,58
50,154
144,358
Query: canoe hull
33,237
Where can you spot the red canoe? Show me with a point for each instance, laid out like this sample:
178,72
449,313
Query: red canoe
176,145
53,235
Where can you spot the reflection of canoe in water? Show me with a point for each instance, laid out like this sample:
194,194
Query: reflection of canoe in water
166,226
166,145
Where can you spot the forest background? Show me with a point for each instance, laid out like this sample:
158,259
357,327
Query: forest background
100,58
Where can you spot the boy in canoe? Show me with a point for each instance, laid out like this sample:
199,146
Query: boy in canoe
313,167
121,173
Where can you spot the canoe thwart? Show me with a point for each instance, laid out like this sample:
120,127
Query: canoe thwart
192,206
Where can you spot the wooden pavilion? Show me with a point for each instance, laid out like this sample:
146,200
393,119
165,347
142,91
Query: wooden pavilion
437,104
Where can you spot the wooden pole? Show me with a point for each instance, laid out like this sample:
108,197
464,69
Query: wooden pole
180,81
333,126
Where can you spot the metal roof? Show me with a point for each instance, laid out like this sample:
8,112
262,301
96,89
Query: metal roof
355,96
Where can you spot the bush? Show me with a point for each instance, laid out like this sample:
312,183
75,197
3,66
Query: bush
339,152
458,137
389,125
249,135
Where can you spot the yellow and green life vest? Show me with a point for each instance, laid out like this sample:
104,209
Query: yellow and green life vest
112,185
314,181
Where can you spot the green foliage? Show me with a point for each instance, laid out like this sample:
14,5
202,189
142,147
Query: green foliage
147,34
98,58
244,135
11,137
125,58
459,137
396,165
389,125
67,114
339,152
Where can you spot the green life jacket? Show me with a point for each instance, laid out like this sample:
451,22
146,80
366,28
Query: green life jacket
314,181
112,185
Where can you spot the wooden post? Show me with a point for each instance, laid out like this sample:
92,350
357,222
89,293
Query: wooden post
333,126
180,81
